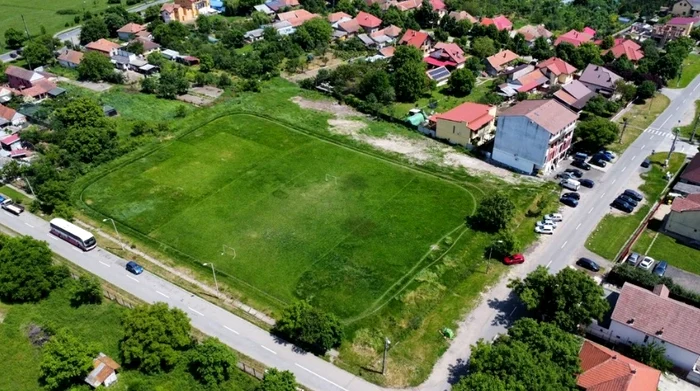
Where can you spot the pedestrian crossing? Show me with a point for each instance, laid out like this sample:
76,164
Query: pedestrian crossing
658,132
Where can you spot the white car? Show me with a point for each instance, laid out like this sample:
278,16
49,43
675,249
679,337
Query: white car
545,229
554,217
646,263
545,223
549,222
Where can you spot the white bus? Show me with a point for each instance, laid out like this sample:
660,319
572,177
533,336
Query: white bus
73,234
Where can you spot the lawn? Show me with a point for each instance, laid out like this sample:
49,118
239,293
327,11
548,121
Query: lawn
639,117
614,230
444,100
687,130
98,325
691,68
668,249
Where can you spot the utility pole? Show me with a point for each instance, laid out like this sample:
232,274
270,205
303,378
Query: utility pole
624,126
386,347
695,127
30,185
673,146
121,242
29,37
214,272
488,262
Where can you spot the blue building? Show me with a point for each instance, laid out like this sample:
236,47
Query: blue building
217,5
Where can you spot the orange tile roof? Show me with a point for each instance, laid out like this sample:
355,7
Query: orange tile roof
629,48
606,370
336,16
557,66
297,17
414,38
131,28
368,20
350,26
475,115
387,51
574,37
500,21
501,58
71,56
102,45
7,112
462,15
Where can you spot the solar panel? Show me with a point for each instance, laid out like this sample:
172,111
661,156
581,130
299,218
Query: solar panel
439,73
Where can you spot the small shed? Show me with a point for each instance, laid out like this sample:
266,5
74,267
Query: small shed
188,60
104,372
58,91
109,111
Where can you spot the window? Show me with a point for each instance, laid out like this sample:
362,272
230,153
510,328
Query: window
646,338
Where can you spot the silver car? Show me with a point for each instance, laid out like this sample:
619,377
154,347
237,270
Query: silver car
632,259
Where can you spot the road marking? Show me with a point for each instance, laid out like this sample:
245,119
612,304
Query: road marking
231,330
28,225
589,212
52,237
677,108
686,99
644,146
268,349
195,311
562,246
515,308
132,278
602,195
7,213
623,170
163,294
696,87
550,262
613,182
104,264
578,226
320,377
662,125
633,157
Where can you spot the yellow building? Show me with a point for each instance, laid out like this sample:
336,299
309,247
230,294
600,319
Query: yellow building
469,124
184,11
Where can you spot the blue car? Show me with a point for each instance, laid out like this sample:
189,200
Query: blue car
134,267
660,268
569,201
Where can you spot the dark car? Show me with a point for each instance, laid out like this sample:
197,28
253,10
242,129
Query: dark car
633,194
514,259
628,200
581,164
587,183
577,173
598,162
134,267
580,156
573,195
603,156
13,55
660,268
609,154
646,163
569,201
588,264
622,205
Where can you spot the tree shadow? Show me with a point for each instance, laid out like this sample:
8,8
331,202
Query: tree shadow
507,309
282,342
457,371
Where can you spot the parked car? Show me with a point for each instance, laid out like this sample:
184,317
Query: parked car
646,163
587,183
575,172
632,259
609,154
554,217
514,259
588,264
581,164
628,200
598,162
573,195
569,201
565,175
660,268
635,195
570,184
646,263
622,205
134,267
547,229
602,156
546,223
580,156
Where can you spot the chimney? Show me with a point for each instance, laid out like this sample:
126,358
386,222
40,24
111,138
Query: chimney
630,321
661,290
660,332
633,370
614,356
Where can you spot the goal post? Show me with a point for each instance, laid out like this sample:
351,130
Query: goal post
228,250
330,178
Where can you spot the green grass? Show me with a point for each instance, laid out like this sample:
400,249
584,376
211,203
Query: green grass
668,249
444,100
691,68
15,195
639,117
614,230
687,130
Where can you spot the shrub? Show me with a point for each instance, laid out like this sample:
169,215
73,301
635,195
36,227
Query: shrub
625,273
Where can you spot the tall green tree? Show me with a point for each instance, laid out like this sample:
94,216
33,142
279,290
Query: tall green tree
494,213
646,90
90,144
483,47
541,49
569,299
95,67
92,30
86,290
595,133
652,354
37,53
313,33
403,55
410,82
426,15
310,327
378,84
14,38
65,361
461,82
212,362
276,380
27,272
81,112
172,82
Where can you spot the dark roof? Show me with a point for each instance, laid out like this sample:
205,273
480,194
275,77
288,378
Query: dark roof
691,203
599,76
692,171
56,92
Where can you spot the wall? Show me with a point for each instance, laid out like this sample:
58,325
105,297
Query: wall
520,143
685,224
454,132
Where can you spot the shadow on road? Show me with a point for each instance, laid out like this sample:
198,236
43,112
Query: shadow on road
457,371
295,349
508,310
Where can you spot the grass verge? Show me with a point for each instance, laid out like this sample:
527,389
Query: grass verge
444,100
640,116
687,130
691,68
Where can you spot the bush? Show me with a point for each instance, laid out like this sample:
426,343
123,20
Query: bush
87,290
68,11
625,273
310,328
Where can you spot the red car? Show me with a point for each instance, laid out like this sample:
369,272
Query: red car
514,259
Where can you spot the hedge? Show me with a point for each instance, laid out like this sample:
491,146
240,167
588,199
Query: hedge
640,277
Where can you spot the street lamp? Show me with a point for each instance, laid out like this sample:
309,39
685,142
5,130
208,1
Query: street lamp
488,262
115,230
213,272
386,347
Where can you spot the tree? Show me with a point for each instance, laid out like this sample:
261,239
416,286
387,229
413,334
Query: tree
65,361
600,106
95,67
37,53
173,82
211,362
14,38
135,47
668,66
403,55
494,212
87,290
595,133
474,64
90,144
315,6
483,47
652,354
206,62
149,85
276,380
154,337
378,84
313,33
425,15
569,299
461,82
590,54
52,194
570,54
81,112
646,90
410,81
608,42
204,24
114,21
505,243
151,13
541,49
92,30
233,38
27,273
310,327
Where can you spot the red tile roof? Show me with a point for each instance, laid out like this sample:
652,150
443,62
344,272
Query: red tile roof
102,45
500,21
169,7
414,38
607,370
368,20
659,317
689,203
392,31
438,5
589,31
408,5
502,58
39,88
7,113
629,48
531,32
71,56
462,15
451,51
574,37
531,80
691,173
350,26
297,17
557,66
550,115
683,21
387,51
336,16
131,28
21,73
475,115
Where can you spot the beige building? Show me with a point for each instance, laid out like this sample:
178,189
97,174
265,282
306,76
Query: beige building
183,11
686,8
684,218
468,125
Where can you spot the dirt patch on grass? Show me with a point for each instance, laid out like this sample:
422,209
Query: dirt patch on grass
331,107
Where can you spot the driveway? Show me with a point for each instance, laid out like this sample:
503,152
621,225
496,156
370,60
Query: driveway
683,278
669,382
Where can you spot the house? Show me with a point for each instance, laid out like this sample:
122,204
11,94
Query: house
188,60
125,60
264,9
392,32
575,38
148,45
284,28
12,117
446,55
599,79
686,8
691,173
296,17
627,48
674,28
104,372
531,33
525,83
608,370
5,95
387,52
381,39
463,15
534,135
500,61
254,35
418,40
171,55
277,5
20,78
350,27
338,17
500,21
557,70
129,31
103,46
439,7
575,95
11,143
218,6
406,5
468,125
368,22
516,72
440,75
684,219
70,58
184,11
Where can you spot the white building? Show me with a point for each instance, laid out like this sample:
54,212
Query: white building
534,135
104,372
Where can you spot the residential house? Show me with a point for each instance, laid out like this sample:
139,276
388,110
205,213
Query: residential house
264,9
296,17
531,33
500,21
534,135
406,5
184,11
446,55
628,48
254,35
418,40
674,28
463,15
218,6
608,370
575,38
599,79
387,52
518,71
70,58
440,75
368,22
103,46
11,142
12,117
575,95
338,17
525,83
129,31
557,70
171,55
279,5
284,28
125,60
30,84
684,218
439,7
686,8
468,125
381,39
104,372
691,173
5,94
500,61
148,45
392,32
350,27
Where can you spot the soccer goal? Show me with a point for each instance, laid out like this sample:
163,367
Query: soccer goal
331,178
228,250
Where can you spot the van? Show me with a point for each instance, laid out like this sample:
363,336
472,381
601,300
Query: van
570,184
580,156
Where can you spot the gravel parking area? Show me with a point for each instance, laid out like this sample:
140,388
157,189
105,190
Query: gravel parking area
687,280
